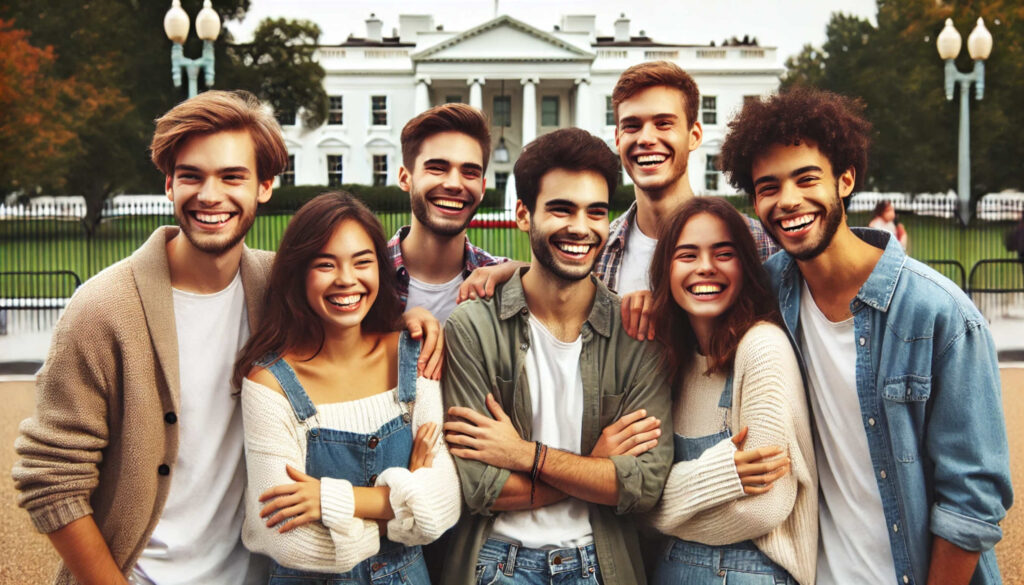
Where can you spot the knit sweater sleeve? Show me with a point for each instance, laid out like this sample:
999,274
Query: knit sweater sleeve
427,501
273,439
768,398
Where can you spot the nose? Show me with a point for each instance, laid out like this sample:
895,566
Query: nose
705,264
789,196
344,275
646,135
452,180
208,192
578,224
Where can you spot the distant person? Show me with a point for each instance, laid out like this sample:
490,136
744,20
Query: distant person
444,157
884,218
902,374
340,433
1014,241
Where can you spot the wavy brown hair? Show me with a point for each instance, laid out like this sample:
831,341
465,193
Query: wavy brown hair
288,322
754,303
653,74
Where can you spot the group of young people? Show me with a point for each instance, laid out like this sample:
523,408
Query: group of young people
829,415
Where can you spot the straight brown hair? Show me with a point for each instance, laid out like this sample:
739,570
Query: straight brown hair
445,118
653,74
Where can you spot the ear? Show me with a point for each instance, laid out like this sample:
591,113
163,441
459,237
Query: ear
404,179
616,136
846,181
522,216
264,190
168,180
483,185
696,136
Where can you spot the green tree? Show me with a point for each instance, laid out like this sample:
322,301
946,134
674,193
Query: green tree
278,66
894,68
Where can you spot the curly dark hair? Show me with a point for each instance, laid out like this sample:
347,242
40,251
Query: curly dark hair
834,123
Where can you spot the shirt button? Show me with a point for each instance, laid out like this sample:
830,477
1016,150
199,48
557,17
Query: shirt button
524,311
881,474
376,566
871,422
372,443
522,346
721,573
862,341
406,417
906,579
170,418
163,469
557,560
895,528
373,480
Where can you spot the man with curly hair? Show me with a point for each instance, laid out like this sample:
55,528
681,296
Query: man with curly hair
900,366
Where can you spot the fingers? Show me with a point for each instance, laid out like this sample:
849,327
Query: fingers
759,484
423,446
296,474
469,415
763,472
754,455
429,363
496,410
739,438
625,420
490,286
643,447
452,428
296,520
432,370
279,490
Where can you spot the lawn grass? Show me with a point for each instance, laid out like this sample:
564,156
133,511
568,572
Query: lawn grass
61,245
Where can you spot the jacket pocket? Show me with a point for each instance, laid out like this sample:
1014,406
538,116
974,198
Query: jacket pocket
909,388
611,406
906,398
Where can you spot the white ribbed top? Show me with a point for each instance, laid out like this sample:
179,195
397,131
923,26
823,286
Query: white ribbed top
703,500
426,503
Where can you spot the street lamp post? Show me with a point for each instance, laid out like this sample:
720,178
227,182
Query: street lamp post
979,45
176,25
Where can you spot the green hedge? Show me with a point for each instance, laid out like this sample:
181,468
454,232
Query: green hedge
379,199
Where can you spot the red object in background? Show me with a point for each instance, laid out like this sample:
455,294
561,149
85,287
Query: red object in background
492,223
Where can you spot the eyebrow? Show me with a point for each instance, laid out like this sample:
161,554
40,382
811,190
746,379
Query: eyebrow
714,246
448,163
220,171
661,116
568,203
356,255
795,173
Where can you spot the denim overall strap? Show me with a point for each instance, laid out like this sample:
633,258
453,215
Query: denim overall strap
302,406
408,355
690,448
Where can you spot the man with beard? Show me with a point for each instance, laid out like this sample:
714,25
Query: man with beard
444,158
546,489
900,367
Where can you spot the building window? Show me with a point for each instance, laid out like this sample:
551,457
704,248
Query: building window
711,174
288,174
453,99
709,104
335,112
285,117
380,170
503,110
500,180
609,112
379,110
549,110
334,170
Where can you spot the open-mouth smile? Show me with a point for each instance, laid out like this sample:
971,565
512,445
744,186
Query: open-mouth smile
797,223
706,290
347,302
650,160
575,250
211,219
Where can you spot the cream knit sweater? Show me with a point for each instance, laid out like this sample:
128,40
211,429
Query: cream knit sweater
703,500
426,502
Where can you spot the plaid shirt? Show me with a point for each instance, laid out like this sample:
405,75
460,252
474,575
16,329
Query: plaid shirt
474,258
607,266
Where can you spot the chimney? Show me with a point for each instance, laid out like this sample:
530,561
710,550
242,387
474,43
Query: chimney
410,25
373,28
622,29
579,23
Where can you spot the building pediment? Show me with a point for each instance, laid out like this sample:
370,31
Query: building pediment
332,142
503,39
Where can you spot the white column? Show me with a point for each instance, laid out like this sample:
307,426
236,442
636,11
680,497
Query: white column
583,104
529,109
476,96
422,100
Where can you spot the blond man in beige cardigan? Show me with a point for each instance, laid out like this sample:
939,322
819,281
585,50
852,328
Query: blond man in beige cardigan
99,454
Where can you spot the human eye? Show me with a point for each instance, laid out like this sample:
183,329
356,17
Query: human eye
598,213
629,127
727,254
663,124
187,176
435,168
765,190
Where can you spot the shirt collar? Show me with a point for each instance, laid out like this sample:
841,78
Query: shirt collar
617,238
512,301
877,291
472,256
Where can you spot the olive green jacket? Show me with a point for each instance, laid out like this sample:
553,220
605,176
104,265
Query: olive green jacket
486,344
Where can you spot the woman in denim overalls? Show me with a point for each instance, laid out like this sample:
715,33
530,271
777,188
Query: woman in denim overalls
734,515
346,477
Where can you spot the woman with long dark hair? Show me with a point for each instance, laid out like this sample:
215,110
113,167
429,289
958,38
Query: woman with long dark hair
740,503
346,475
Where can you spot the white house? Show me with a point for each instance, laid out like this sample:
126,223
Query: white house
528,81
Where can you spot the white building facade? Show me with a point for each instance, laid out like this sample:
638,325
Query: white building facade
527,81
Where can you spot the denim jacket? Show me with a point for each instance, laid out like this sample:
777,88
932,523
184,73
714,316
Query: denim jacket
930,402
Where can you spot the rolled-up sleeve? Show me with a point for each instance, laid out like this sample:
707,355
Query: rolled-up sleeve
465,383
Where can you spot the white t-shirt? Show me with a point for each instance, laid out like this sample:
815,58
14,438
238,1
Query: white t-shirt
556,397
198,537
854,544
439,299
635,268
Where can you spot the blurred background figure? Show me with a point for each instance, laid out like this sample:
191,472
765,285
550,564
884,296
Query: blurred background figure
884,218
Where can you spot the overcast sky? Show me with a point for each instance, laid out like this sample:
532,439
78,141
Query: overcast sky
786,24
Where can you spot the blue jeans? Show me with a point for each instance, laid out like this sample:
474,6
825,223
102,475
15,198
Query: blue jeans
691,563
502,563
399,566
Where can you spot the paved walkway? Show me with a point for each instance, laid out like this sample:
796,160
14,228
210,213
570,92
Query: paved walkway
28,558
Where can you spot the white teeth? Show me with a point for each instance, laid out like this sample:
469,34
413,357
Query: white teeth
650,158
449,203
574,248
798,221
703,289
212,217
344,300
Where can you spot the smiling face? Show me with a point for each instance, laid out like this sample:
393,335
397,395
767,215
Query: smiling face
342,280
446,184
215,190
569,225
655,139
798,198
706,275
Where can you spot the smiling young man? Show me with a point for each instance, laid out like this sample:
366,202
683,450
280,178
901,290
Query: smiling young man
656,129
546,488
900,367
445,152
132,463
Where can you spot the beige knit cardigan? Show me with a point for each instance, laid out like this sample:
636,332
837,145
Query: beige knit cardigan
101,431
